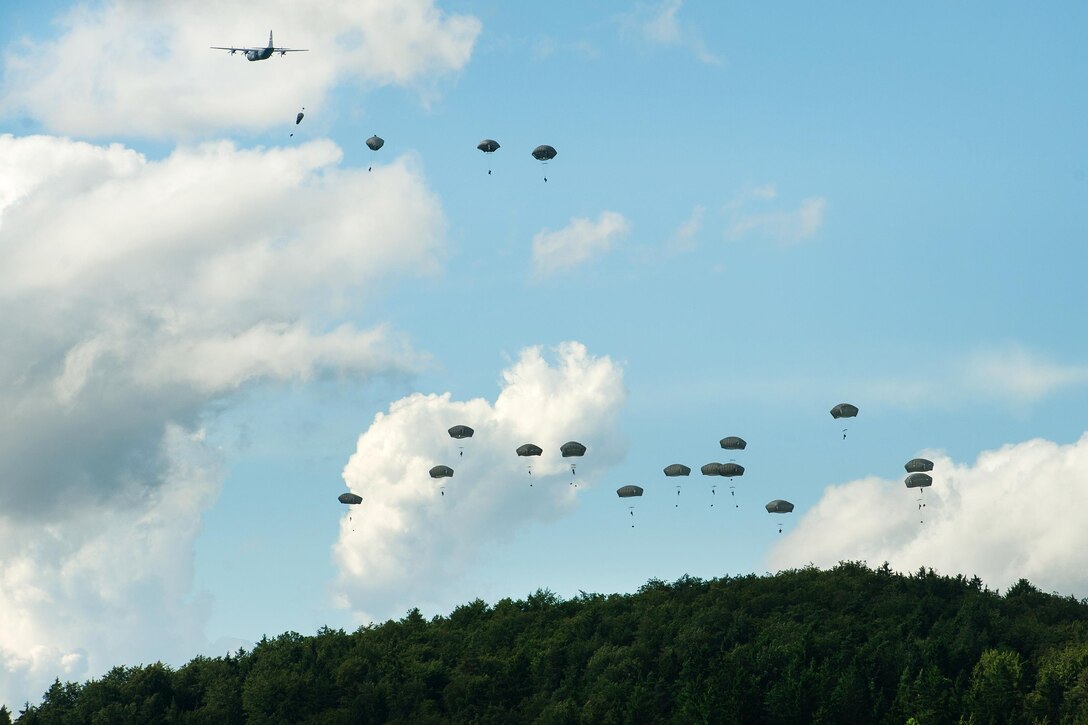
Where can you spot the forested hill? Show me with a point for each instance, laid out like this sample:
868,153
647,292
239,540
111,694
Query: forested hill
849,645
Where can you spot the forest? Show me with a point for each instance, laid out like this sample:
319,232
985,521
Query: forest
850,644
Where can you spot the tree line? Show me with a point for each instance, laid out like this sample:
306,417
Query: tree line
845,645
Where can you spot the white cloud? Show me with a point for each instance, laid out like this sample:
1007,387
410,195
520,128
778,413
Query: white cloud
660,24
137,296
577,243
748,218
1018,374
105,582
1013,513
144,67
1012,374
682,240
407,543
663,27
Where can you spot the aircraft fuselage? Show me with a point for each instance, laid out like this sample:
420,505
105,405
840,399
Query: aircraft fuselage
262,54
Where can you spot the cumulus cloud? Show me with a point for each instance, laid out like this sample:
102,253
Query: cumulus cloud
1011,514
105,582
660,24
137,295
408,542
750,216
577,243
144,67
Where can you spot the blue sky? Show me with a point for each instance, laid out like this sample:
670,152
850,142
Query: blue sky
756,212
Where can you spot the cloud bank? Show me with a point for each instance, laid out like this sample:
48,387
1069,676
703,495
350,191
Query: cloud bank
413,536
144,67
137,296
1015,513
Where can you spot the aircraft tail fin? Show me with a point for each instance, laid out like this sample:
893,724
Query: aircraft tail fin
269,38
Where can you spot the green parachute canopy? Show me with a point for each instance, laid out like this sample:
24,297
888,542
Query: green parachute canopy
733,443
918,465
441,472
350,498
529,449
461,431
712,469
544,152
731,469
572,448
629,491
677,469
918,480
778,506
844,410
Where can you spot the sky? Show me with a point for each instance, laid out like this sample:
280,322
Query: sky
216,320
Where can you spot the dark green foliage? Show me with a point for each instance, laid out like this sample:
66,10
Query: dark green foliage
849,645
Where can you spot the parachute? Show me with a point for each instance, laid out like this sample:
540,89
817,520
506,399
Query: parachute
544,153
918,465
629,492
731,469
778,506
712,469
733,443
918,480
921,481
350,498
572,448
441,472
460,432
677,469
488,146
844,410
375,143
298,118
529,449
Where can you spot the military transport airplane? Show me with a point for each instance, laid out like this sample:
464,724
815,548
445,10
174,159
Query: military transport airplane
262,53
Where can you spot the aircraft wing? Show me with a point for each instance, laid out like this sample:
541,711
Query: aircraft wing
281,51
233,50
